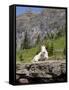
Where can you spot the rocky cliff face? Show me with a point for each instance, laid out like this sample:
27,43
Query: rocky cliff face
43,24
41,72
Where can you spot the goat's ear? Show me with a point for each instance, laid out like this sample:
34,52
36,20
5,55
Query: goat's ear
46,48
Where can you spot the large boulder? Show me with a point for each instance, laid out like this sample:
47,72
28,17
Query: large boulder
41,72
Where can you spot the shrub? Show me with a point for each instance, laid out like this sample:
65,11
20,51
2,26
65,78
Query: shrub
20,57
38,40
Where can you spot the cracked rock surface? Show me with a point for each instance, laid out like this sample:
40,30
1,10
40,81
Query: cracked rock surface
41,72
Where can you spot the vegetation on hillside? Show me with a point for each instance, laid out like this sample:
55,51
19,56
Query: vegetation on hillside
55,47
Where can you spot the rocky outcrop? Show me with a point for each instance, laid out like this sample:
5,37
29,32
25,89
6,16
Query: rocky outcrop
41,72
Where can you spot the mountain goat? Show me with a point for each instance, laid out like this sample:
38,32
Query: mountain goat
42,56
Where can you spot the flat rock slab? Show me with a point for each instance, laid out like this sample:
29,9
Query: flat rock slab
46,71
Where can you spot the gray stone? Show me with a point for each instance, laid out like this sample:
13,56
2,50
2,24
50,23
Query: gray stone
23,81
46,71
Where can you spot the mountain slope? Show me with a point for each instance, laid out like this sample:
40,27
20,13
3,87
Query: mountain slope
49,21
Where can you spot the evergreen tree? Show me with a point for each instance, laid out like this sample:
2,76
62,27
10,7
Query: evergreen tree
25,44
47,45
38,39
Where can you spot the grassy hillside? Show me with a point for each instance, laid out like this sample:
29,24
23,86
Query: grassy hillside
58,43
27,55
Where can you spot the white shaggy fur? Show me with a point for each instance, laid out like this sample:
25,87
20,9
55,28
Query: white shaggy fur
43,55
43,49
37,57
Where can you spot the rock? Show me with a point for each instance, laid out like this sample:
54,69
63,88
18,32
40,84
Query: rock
63,68
23,81
47,71
56,71
24,72
17,77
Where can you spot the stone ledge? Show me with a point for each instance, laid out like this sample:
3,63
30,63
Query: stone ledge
48,71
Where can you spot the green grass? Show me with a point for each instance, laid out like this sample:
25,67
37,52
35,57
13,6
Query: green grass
59,43
27,55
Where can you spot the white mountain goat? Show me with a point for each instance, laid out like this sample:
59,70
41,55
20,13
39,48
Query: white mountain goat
42,56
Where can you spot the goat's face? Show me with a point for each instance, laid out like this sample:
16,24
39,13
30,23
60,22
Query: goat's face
44,54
